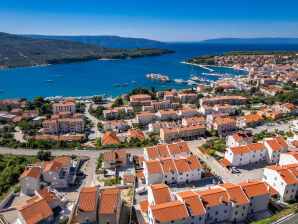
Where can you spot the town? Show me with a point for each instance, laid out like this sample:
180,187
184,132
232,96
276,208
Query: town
220,153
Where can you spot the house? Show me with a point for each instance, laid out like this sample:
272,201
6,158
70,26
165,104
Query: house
110,206
51,196
288,158
240,138
115,125
169,174
283,180
194,205
59,107
172,212
195,167
257,152
152,172
183,132
193,121
238,155
258,195
183,170
87,205
35,210
250,120
239,202
110,138
217,203
137,134
54,174
30,180
114,158
158,194
271,113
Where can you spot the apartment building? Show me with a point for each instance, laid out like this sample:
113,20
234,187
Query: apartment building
188,112
217,204
283,180
115,112
158,194
155,127
223,108
163,115
258,195
193,121
223,126
140,100
87,205
250,120
271,113
205,110
239,202
240,138
288,158
186,97
231,100
275,146
168,150
183,132
110,206
62,107
145,117
63,125
115,125
194,206
168,170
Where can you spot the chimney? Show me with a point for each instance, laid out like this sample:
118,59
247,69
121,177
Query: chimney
221,199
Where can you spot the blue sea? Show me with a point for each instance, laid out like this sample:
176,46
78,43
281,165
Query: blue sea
98,77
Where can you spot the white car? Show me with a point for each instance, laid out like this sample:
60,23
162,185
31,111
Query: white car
235,170
140,190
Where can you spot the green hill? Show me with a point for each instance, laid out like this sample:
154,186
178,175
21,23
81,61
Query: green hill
18,51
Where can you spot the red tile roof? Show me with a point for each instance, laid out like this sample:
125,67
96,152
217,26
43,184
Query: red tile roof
169,211
254,188
161,193
274,145
181,165
183,147
168,165
193,162
214,197
87,200
152,152
225,162
192,202
144,206
174,149
140,174
240,150
153,166
31,172
236,194
108,201
48,195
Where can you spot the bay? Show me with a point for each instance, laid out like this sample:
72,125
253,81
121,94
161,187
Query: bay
98,77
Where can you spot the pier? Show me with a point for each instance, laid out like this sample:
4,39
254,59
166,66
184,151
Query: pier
209,69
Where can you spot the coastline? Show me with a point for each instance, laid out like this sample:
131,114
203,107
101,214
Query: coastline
203,66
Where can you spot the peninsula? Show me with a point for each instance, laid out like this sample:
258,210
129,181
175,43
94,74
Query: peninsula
18,51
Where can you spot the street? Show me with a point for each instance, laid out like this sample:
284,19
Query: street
281,127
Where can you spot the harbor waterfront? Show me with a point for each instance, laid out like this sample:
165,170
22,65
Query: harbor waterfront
115,77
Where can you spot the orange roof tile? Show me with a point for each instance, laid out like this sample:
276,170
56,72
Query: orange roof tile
225,162
274,145
256,146
110,138
129,177
109,156
31,172
52,166
63,160
144,206
181,165
192,202
193,162
108,201
169,211
280,141
136,133
183,146
153,166
140,174
213,197
163,150
236,194
87,200
285,174
168,165
174,149
240,149
254,188
48,195
294,154
141,159
152,152
271,189
161,193
35,211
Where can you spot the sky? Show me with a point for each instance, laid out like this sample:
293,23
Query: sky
164,20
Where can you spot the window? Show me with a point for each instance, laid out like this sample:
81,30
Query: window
172,178
180,174
198,169
250,204
216,213
226,211
237,206
172,221
172,172
192,217
166,176
236,213
241,159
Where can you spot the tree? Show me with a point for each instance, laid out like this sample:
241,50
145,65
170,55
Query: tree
219,90
169,119
97,99
44,155
118,102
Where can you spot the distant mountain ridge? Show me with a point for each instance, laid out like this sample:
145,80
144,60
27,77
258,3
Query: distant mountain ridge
19,51
265,40
103,40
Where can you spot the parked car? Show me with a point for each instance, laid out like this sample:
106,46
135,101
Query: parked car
140,190
235,170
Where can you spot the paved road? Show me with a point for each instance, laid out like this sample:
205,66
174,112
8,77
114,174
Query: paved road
94,132
291,220
281,127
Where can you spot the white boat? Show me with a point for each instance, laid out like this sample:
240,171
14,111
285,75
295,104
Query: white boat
125,84
1,90
191,82
133,81
49,80
179,81
116,84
